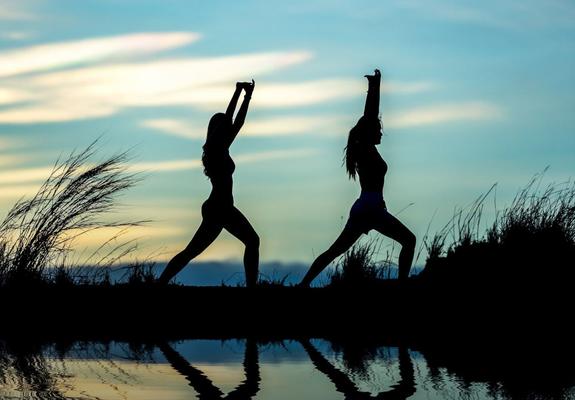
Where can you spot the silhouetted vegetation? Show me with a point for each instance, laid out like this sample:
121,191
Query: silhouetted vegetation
530,242
37,234
358,266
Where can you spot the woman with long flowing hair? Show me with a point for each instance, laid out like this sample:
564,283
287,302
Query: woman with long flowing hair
369,210
218,211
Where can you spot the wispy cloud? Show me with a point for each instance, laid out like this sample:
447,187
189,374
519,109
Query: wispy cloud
246,158
18,182
17,191
92,92
469,111
82,92
285,125
16,35
48,56
13,10
24,175
12,96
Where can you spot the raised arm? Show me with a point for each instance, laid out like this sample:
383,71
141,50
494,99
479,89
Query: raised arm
372,101
234,101
241,117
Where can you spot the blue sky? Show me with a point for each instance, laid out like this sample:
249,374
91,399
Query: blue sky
474,94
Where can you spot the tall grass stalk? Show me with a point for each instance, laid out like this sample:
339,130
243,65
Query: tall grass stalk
71,202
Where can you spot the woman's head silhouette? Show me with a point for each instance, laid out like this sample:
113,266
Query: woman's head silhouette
367,131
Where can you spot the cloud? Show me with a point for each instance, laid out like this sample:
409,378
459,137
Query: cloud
12,96
17,35
101,91
285,125
97,237
13,11
17,191
16,176
48,56
82,92
246,158
18,182
470,111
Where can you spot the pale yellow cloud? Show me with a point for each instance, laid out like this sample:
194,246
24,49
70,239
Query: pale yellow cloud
444,113
24,175
97,237
9,160
11,96
14,192
176,127
285,125
82,92
166,166
100,91
47,56
180,165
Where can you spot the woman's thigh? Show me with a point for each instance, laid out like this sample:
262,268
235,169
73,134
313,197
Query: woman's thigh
238,225
388,225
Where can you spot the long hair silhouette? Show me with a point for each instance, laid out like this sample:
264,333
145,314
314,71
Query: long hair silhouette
369,211
218,211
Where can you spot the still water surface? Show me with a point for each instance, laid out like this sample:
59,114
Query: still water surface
243,369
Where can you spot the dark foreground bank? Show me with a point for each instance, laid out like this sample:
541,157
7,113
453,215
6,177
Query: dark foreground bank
417,311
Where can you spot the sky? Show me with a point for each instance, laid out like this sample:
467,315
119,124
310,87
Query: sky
473,94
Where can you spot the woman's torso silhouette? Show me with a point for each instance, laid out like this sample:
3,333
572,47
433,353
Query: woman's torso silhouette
221,177
371,169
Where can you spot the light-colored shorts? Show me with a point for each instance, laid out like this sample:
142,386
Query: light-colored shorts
368,212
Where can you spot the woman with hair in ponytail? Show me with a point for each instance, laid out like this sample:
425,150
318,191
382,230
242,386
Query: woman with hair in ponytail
369,211
218,211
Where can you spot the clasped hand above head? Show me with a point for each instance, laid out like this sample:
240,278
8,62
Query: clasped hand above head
247,86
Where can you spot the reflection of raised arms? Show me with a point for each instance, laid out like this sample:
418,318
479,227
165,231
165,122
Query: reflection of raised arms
241,116
372,101
343,384
204,386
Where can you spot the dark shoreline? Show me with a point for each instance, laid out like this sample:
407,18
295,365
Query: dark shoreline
415,312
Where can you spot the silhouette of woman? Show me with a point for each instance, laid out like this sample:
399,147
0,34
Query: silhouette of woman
369,211
218,211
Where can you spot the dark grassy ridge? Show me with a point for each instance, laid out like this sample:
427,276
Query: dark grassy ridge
416,310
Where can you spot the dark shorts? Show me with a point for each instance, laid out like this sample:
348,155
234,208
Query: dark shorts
368,212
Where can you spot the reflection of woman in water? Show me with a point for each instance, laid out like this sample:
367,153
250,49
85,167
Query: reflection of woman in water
218,211
205,387
369,211
400,391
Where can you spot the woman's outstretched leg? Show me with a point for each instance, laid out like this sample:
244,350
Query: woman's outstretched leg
204,236
239,226
394,229
345,240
